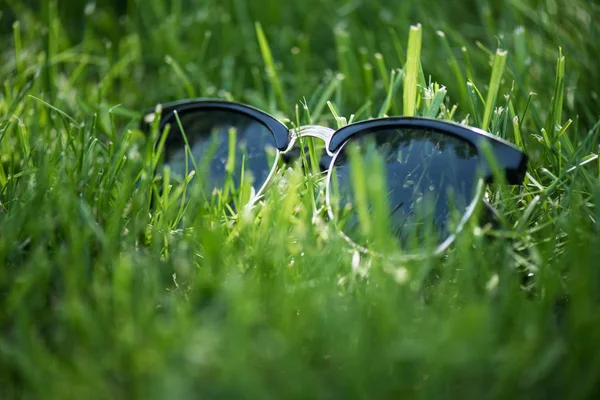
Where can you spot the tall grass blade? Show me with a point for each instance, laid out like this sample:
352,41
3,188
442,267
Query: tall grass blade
495,81
270,66
411,76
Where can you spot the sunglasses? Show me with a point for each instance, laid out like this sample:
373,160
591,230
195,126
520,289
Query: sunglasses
422,178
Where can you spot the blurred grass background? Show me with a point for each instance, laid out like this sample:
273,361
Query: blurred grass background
310,38
104,296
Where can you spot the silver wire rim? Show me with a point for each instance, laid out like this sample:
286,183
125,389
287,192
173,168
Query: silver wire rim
263,188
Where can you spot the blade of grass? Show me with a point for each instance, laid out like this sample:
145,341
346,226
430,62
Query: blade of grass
383,70
495,81
555,117
270,66
396,79
454,65
436,103
182,76
317,110
411,76
18,46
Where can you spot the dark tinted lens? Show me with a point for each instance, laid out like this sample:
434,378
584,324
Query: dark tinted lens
411,183
225,145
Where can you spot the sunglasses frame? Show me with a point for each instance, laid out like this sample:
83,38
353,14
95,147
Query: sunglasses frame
507,156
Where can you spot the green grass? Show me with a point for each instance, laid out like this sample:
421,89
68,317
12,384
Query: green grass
110,288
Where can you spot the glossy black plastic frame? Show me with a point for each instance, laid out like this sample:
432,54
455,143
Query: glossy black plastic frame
508,157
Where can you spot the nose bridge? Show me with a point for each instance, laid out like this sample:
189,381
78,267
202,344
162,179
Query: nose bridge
321,132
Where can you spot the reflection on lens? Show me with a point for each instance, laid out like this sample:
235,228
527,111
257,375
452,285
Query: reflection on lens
225,145
408,185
